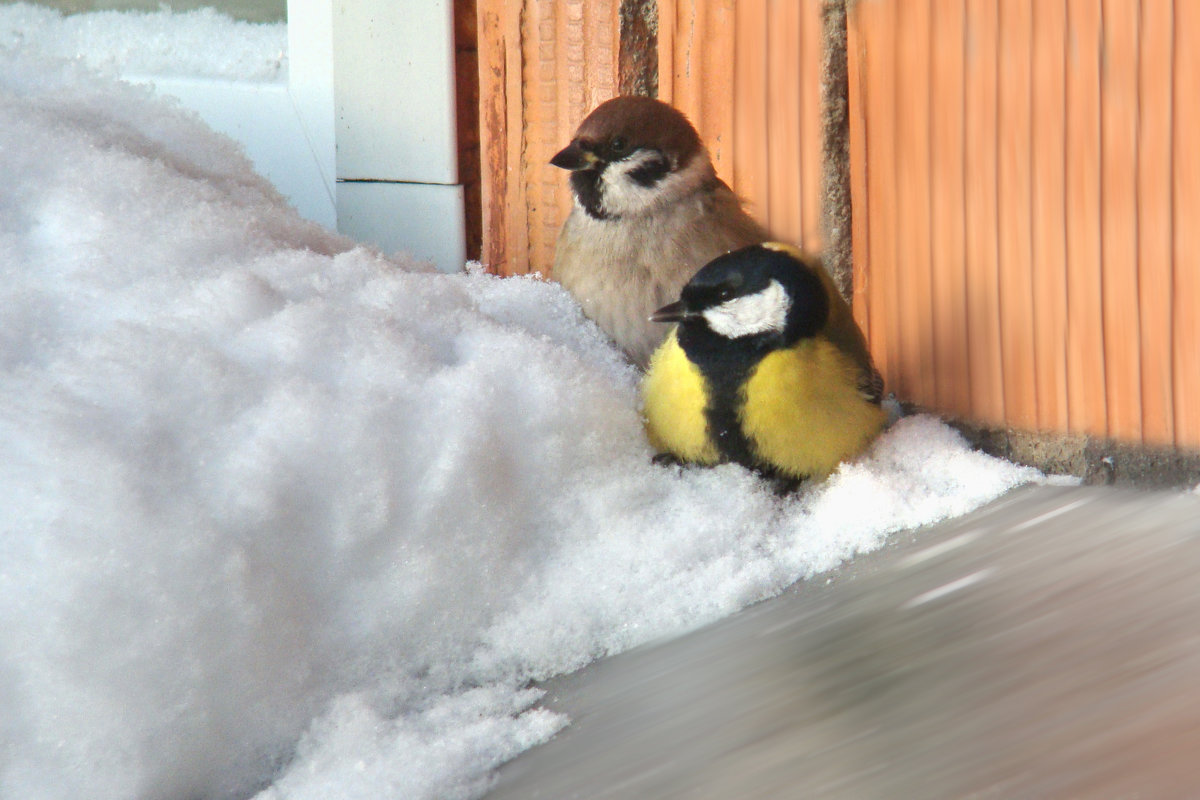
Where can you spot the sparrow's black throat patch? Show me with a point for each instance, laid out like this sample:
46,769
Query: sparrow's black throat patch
585,183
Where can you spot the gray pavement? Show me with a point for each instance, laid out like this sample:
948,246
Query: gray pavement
1047,645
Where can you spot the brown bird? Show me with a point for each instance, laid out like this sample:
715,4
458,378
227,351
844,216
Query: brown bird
649,211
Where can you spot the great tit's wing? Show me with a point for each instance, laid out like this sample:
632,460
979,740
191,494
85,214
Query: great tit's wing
870,385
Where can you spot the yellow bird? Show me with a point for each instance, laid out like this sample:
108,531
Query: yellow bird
766,368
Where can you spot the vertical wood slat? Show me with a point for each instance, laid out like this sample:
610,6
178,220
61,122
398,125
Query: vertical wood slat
1185,310
1086,400
466,111
952,391
695,54
1154,224
1119,219
782,165
878,73
808,229
747,74
493,36
1014,195
751,137
857,90
912,299
1048,209
983,308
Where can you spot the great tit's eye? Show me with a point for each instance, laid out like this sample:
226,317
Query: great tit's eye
618,144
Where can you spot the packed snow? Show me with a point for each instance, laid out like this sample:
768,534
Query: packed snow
286,518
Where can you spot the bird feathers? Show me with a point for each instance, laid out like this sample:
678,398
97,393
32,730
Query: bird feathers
802,411
787,400
675,398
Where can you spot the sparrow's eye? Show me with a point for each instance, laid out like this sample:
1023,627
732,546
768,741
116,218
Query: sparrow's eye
618,145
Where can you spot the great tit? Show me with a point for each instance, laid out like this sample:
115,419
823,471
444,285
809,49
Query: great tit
761,371
649,210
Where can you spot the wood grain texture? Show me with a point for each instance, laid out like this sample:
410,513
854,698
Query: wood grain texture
947,198
782,165
1014,195
876,27
1185,310
982,267
1048,211
1086,398
912,301
857,84
809,231
751,107
1154,222
1119,217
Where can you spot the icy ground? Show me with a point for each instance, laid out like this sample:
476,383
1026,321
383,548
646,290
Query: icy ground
284,517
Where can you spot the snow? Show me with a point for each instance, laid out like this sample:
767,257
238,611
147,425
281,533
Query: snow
286,518
195,44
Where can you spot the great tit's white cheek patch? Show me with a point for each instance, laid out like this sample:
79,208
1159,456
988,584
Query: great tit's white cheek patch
762,312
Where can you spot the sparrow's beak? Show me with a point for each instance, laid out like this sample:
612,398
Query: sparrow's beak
574,157
676,312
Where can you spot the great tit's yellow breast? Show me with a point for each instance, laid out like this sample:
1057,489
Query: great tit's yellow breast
803,413
674,396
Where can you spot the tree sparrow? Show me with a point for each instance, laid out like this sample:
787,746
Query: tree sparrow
649,211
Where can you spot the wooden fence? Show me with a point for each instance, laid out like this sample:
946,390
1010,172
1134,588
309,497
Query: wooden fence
1026,191
1024,180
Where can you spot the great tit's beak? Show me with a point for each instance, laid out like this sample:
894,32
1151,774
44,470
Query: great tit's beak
574,157
675,312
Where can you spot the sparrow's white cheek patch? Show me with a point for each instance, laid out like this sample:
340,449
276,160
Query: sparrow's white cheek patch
621,193
761,312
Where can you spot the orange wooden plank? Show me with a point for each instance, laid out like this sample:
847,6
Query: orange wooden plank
718,48
983,297
493,134
911,305
1014,188
876,27
948,242
750,101
668,12
516,208
783,169
1119,147
543,100
696,54
1155,84
1048,230
860,223
1087,407
811,154
1186,284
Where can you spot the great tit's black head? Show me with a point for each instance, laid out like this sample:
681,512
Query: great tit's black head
766,292
624,150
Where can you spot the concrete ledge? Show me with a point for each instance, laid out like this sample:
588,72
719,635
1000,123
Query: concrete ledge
1098,461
